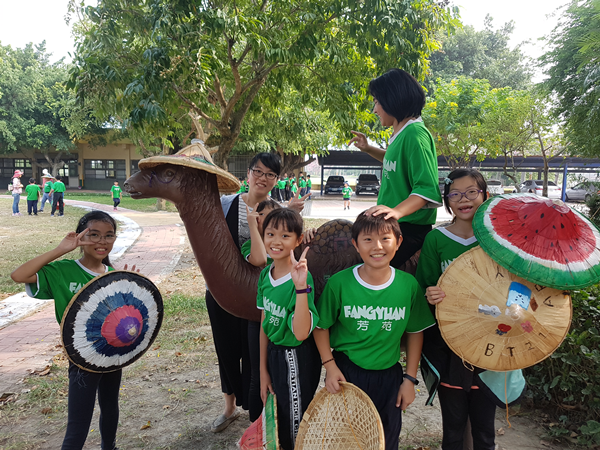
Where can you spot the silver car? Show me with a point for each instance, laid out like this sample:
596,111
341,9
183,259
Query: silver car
582,191
536,186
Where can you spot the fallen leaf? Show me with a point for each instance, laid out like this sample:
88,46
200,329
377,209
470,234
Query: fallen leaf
546,443
166,407
145,427
500,431
178,354
46,411
44,372
157,347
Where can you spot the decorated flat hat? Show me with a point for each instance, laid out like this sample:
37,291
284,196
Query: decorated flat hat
539,239
195,156
496,320
342,421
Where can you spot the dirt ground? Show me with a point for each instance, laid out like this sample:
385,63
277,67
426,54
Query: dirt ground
170,397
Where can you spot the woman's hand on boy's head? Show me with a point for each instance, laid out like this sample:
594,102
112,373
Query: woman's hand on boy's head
434,295
299,269
333,376
406,394
382,209
309,235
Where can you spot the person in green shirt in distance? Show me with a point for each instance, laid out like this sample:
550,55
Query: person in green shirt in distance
48,185
33,192
346,194
409,184
58,192
308,186
117,194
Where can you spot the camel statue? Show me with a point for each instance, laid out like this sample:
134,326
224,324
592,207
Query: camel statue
191,181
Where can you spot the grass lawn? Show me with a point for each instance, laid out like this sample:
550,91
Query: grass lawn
144,205
25,237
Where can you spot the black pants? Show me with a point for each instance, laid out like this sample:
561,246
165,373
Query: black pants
459,405
412,241
382,387
116,201
231,339
295,374
83,386
32,206
58,201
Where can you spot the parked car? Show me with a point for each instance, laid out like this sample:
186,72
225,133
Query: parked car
509,189
536,186
582,191
334,184
495,187
367,183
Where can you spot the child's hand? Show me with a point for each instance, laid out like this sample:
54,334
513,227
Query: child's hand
406,394
265,386
252,217
359,140
382,209
299,269
434,295
333,377
132,268
309,235
296,202
73,240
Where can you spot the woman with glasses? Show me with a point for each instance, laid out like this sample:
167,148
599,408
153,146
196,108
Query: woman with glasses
409,183
238,339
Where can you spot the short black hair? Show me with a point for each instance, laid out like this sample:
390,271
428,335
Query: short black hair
58,178
370,223
268,203
31,180
290,219
270,160
460,173
96,216
399,94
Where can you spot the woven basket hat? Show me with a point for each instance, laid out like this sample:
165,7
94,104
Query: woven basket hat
195,156
346,420
496,320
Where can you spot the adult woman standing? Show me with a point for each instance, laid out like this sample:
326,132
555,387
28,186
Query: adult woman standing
409,183
238,339
16,192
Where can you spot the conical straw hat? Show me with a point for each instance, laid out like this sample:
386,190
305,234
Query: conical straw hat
496,320
346,420
195,156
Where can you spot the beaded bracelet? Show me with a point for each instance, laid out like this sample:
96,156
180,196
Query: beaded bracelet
329,360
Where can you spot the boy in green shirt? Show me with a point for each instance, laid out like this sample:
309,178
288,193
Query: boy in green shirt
308,186
58,191
117,194
33,192
363,313
48,185
346,193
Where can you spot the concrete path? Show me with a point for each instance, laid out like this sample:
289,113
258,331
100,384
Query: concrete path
29,345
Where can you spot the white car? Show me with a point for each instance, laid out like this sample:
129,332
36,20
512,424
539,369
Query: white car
495,187
536,187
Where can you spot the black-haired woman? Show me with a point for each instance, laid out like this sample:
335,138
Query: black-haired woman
409,183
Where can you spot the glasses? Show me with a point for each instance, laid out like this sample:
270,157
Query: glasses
259,173
95,237
471,194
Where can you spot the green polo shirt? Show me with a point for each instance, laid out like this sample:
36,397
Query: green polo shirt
59,186
32,191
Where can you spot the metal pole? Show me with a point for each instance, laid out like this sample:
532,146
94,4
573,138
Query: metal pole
564,183
322,181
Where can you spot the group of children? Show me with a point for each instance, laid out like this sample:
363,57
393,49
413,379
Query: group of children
51,191
286,187
353,331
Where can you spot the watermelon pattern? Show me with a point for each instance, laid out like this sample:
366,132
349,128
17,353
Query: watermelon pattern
262,434
541,240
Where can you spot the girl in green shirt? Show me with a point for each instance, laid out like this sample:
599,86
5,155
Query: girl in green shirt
409,185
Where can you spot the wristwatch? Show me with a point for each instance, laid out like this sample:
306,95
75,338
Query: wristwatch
308,290
413,380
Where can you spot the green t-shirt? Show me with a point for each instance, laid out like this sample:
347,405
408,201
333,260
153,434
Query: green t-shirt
366,322
281,184
302,183
243,187
48,186
440,248
61,280
247,247
294,188
309,184
277,299
287,182
346,192
32,191
410,168
116,191
59,186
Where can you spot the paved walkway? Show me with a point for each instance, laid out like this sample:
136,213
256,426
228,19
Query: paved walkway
30,344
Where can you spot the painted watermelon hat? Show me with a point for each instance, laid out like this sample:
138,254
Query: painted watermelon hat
541,240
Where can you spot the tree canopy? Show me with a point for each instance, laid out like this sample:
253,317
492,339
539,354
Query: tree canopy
147,64
573,67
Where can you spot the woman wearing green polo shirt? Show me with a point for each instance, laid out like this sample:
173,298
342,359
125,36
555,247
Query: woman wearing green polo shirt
409,183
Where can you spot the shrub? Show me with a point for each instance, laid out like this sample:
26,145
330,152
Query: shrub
594,204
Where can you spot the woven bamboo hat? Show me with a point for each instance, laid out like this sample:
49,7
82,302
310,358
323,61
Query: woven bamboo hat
496,320
195,156
344,421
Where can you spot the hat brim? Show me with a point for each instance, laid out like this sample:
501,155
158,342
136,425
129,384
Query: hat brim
226,181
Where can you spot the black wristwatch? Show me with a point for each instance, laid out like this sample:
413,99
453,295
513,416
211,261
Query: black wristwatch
413,380
308,290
